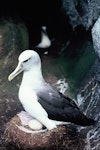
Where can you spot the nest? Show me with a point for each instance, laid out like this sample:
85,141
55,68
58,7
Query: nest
59,138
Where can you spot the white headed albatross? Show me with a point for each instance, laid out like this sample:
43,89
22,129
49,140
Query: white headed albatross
40,100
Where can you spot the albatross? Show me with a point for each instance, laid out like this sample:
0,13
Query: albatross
40,99
45,40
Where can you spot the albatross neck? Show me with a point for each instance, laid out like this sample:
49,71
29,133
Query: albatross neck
33,77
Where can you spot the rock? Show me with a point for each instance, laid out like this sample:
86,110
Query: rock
13,36
81,12
13,39
96,36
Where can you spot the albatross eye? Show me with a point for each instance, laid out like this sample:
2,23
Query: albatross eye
26,60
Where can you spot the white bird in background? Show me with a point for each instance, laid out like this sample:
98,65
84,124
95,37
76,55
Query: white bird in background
40,100
45,40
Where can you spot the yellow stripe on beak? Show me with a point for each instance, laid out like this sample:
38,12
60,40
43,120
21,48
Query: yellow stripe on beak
16,72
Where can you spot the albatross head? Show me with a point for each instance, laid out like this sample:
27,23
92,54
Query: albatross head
28,59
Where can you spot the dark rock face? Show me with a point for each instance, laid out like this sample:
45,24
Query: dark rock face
13,37
82,12
90,105
96,36
85,13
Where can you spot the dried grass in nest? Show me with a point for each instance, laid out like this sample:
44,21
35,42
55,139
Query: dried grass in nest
60,138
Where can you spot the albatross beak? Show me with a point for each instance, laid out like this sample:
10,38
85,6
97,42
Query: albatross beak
17,71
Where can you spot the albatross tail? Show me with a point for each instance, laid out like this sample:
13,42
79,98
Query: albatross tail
85,121
88,122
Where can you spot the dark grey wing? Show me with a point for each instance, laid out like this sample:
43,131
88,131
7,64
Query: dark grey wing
59,107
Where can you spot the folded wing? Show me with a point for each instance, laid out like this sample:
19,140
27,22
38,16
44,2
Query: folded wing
61,108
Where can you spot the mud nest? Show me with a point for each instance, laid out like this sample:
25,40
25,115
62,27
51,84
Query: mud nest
60,138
